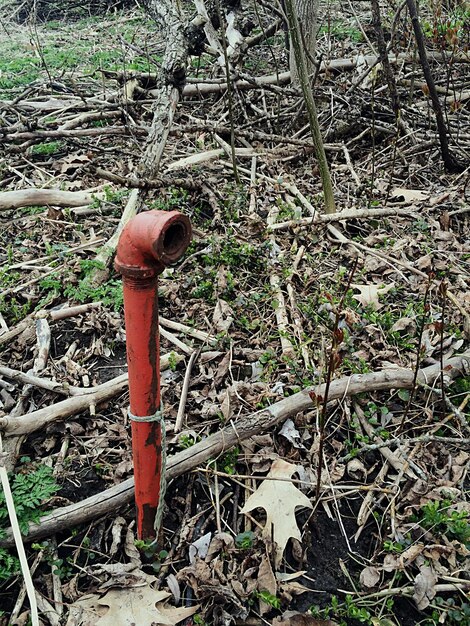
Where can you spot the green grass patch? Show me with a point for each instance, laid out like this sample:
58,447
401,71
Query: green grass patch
47,149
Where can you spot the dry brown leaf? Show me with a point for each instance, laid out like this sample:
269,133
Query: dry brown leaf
425,583
266,582
369,577
221,542
131,550
279,498
223,368
287,591
407,196
435,552
71,162
369,294
226,406
140,605
116,532
391,563
284,577
356,469
404,323
411,554
425,262
222,317
290,432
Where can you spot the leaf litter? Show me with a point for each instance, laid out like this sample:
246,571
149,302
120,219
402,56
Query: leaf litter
254,532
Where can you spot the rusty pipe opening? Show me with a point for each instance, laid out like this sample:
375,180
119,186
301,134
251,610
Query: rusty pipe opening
151,241
173,242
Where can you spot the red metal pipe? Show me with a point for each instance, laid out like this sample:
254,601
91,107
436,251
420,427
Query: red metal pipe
148,243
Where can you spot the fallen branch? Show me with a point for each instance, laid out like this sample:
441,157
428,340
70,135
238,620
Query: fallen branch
44,197
107,131
348,214
30,422
12,445
256,423
280,310
36,381
336,65
250,134
56,314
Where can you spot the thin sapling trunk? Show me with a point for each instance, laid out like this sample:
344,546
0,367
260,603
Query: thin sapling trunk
296,42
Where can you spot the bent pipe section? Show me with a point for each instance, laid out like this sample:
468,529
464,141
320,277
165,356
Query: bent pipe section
148,243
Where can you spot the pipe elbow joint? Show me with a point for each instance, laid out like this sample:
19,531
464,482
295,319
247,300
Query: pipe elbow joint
151,241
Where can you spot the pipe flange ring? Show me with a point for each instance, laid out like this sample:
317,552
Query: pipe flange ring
156,417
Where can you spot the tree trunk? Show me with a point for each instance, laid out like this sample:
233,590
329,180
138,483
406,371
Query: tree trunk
307,13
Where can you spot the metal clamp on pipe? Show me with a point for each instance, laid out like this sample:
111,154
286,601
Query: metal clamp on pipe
148,243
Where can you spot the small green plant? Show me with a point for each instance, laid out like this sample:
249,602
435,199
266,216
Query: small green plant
30,491
9,565
174,198
51,283
62,567
349,609
186,441
115,196
47,148
341,32
394,547
13,309
151,552
288,211
269,362
9,279
439,518
450,611
268,598
244,541
355,365
353,611
204,290
172,361
110,293
229,460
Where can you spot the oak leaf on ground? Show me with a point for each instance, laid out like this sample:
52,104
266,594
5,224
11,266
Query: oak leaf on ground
279,498
140,604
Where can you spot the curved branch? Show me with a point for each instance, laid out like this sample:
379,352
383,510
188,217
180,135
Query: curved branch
259,422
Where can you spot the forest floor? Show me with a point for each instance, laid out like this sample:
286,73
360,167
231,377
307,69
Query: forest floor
268,299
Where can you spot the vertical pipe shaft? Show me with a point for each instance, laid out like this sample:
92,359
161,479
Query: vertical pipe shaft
143,357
